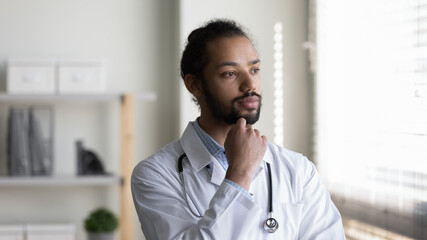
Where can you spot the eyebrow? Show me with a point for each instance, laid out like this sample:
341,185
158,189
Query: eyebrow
253,62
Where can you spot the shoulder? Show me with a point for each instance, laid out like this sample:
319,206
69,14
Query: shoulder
284,154
293,162
161,163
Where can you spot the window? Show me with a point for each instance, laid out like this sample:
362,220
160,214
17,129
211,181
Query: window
278,83
371,74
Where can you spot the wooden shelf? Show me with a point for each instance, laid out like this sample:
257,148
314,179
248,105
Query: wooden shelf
90,97
54,181
126,139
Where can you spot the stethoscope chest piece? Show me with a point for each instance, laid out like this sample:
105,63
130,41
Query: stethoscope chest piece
271,225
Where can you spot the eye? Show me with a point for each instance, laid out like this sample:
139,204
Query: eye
229,74
255,70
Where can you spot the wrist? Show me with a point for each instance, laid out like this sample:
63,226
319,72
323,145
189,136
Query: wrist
240,177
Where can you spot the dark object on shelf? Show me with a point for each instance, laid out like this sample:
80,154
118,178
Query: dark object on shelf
88,163
18,145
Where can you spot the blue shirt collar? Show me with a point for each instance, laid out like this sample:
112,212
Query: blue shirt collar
211,145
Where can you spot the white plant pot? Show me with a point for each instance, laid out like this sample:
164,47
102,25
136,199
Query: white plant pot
101,236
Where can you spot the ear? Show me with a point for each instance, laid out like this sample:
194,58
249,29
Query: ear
193,85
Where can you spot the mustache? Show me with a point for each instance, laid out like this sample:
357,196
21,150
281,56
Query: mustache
247,94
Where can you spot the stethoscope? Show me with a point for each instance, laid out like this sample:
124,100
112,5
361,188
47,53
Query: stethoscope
270,224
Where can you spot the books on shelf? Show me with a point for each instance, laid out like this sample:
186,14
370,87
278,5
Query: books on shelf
30,143
18,144
40,146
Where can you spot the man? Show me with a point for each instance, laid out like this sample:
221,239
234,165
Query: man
225,191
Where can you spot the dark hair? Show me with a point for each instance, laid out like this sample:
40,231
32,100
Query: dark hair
195,58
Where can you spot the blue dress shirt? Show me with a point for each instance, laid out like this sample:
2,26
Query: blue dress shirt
218,152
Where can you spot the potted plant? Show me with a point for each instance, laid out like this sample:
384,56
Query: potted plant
101,224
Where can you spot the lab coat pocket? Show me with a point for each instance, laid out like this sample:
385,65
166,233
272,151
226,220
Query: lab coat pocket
289,216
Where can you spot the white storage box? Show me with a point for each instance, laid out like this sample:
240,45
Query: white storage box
31,76
81,76
11,232
51,232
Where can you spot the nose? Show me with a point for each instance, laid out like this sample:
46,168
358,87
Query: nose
248,83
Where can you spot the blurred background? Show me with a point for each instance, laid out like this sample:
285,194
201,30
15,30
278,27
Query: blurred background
344,82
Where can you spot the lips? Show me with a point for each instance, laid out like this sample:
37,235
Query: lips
251,102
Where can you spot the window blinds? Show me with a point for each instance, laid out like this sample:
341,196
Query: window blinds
371,98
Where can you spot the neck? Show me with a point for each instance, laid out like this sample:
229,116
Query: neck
216,129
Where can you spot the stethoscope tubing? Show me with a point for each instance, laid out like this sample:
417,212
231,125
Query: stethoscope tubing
181,177
270,190
270,225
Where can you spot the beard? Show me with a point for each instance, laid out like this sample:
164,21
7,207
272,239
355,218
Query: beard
219,110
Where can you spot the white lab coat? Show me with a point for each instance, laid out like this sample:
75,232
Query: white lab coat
301,204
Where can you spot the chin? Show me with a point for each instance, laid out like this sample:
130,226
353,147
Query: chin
251,118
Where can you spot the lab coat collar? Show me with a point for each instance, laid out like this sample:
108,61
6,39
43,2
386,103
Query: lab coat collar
197,153
268,156
200,157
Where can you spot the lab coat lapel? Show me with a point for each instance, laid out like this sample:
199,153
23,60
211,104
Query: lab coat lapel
199,156
268,156
218,173
197,153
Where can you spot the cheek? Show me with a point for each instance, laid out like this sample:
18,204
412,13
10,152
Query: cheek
224,96
225,92
258,82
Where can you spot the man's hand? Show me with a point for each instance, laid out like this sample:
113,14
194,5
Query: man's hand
244,147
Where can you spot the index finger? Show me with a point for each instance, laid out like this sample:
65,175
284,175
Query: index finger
241,122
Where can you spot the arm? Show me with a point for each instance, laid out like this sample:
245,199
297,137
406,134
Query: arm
164,214
321,219
245,148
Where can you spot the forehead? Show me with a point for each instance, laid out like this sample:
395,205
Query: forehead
231,49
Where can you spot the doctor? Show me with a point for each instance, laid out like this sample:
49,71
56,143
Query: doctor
222,179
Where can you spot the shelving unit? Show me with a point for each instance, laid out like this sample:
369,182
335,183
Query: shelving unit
126,153
100,97
46,181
